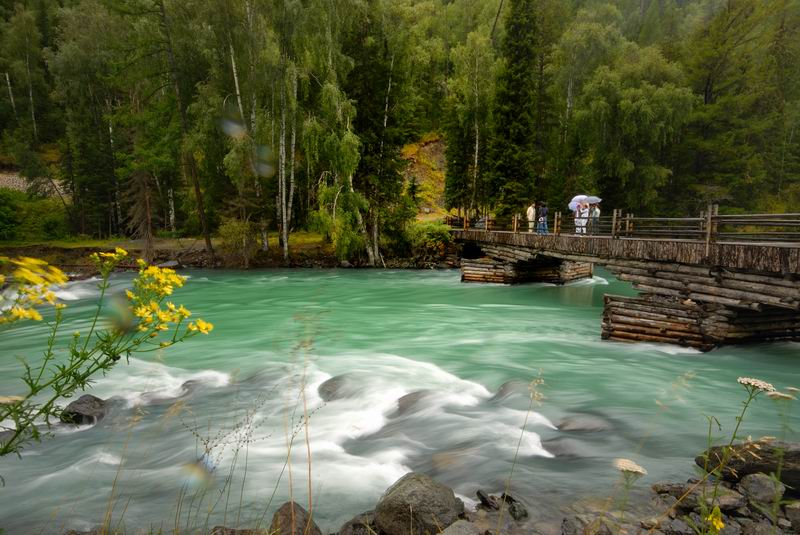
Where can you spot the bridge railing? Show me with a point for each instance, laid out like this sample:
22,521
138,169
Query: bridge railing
709,227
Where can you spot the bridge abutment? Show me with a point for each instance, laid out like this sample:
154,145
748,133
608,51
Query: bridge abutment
691,294
665,319
507,265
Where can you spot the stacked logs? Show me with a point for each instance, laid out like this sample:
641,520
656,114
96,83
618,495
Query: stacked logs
544,270
653,318
558,273
650,319
487,270
509,265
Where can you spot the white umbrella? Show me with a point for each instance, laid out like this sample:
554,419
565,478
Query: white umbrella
591,199
576,200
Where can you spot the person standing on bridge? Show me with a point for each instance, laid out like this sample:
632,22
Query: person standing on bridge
531,216
581,218
541,225
594,218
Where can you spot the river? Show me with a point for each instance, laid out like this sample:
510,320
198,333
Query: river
383,335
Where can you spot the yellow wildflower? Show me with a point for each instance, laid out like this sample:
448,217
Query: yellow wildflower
715,520
204,326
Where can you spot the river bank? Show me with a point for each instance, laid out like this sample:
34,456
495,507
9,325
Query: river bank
749,502
308,251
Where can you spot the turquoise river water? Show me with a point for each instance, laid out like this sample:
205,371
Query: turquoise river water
219,409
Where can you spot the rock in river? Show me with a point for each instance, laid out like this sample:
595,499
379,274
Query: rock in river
87,409
417,502
292,519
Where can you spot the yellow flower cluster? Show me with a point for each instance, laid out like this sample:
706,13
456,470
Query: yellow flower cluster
156,282
149,290
31,279
201,326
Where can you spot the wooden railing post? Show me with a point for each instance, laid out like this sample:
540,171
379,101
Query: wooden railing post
557,224
516,222
488,223
614,224
466,221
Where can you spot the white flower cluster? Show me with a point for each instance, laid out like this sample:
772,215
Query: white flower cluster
758,384
626,465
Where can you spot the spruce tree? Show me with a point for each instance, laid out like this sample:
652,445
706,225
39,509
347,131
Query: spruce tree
511,152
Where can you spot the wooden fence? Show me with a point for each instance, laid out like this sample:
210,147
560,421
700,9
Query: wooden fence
709,227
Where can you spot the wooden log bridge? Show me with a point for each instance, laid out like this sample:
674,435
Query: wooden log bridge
693,293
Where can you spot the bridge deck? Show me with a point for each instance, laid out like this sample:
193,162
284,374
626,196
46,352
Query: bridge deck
777,258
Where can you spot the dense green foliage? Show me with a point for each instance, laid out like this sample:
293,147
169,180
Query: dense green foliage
658,106
162,116
25,217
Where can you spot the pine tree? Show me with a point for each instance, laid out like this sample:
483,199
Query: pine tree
511,152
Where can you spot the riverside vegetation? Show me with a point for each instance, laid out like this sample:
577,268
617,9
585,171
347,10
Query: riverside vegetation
241,118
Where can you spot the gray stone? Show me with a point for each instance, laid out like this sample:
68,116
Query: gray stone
222,530
409,402
515,508
172,264
87,409
460,527
487,500
762,527
676,526
792,511
338,387
761,489
292,519
584,423
784,524
727,499
363,524
418,502
585,525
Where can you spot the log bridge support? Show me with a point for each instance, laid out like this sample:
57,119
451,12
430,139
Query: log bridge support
690,294
508,265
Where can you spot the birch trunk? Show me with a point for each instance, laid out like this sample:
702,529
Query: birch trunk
236,83
282,178
292,157
30,91
171,199
11,96
374,245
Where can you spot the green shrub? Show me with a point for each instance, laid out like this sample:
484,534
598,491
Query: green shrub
24,217
9,216
429,240
239,242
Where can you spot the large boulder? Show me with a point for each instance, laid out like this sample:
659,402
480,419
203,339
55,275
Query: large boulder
363,524
292,519
754,457
87,409
761,489
419,503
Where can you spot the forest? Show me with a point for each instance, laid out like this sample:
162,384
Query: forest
241,118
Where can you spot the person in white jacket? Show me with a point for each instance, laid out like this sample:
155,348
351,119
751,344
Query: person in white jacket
581,218
531,216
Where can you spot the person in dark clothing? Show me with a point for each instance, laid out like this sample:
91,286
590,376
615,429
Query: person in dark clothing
541,225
